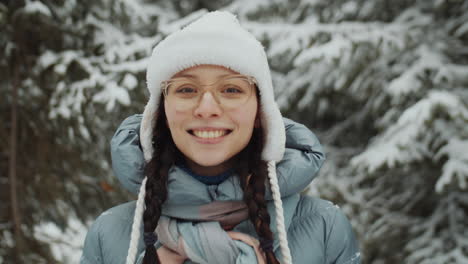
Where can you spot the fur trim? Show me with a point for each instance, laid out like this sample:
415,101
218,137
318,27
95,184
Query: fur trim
148,123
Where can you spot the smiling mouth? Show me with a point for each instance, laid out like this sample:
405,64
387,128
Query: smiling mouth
209,134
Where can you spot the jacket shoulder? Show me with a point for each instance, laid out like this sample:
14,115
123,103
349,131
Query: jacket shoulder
321,232
108,237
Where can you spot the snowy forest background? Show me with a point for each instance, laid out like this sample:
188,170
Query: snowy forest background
383,83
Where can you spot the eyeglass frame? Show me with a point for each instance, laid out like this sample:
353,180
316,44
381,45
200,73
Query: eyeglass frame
250,79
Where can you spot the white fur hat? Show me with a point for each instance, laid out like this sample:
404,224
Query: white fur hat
218,39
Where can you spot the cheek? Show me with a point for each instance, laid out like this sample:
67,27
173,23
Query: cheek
245,119
249,113
174,120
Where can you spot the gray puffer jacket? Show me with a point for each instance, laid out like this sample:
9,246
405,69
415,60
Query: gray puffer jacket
318,231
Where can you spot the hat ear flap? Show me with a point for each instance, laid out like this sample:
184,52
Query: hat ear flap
147,125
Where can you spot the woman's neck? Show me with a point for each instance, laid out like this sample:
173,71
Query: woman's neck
213,175
210,170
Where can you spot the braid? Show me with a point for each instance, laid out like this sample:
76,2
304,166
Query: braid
156,186
254,192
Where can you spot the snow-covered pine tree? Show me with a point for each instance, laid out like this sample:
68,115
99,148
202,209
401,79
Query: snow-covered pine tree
382,82
78,62
385,85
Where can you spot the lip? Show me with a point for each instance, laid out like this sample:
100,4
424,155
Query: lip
209,140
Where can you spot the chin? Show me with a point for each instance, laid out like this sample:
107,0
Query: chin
210,161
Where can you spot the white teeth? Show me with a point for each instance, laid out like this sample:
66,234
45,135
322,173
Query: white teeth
209,134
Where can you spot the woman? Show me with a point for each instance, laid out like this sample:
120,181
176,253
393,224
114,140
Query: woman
222,174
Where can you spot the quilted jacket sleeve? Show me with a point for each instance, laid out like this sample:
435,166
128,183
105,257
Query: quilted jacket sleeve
302,160
107,239
321,233
342,246
128,162
92,247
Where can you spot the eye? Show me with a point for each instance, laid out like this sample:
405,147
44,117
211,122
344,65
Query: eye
232,90
185,90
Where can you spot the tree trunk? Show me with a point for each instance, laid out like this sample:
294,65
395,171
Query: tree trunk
12,167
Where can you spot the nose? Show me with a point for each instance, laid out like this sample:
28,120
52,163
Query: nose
208,107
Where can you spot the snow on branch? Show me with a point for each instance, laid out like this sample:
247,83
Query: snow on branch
442,236
456,166
409,139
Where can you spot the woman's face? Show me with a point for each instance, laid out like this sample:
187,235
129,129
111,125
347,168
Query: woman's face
208,134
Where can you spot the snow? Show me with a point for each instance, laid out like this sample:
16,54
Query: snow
462,30
129,81
128,66
456,167
180,23
434,240
401,142
66,245
60,69
329,51
69,98
456,73
243,7
46,59
111,94
409,82
349,7
36,7
142,11
8,238
84,131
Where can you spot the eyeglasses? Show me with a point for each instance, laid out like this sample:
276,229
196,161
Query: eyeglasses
230,92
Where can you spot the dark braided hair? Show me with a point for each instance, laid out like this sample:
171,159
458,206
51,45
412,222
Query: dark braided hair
254,192
156,171
251,170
